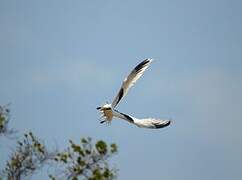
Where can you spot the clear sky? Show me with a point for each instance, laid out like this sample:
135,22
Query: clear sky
59,60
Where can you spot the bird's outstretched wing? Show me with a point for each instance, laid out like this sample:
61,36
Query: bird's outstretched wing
144,123
129,81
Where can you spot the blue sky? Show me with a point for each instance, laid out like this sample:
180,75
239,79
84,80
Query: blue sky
61,59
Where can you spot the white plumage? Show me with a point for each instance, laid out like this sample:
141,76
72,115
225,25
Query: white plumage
108,111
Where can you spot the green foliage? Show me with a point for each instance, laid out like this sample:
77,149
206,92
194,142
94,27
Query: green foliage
29,156
87,161
101,175
4,120
101,147
114,148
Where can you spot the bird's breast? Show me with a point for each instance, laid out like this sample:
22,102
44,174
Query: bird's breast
109,114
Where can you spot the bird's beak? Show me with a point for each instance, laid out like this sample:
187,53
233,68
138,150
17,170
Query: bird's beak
98,108
102,122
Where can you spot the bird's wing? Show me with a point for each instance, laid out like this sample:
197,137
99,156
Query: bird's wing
123,116
129,81
144,123
153,123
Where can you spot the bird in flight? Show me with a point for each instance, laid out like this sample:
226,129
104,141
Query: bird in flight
108,111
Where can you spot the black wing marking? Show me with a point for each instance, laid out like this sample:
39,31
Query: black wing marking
141,65
120,94
128,82
157,126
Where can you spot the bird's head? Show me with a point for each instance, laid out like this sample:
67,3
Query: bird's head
105,106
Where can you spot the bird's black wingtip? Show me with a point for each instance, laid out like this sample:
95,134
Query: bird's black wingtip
98,107
158,126
102,122
142,64
146,61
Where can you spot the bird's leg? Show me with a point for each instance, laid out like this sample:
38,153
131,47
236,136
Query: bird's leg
102,121
109,123
102,117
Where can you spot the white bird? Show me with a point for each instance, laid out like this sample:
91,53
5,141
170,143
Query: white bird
108,111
